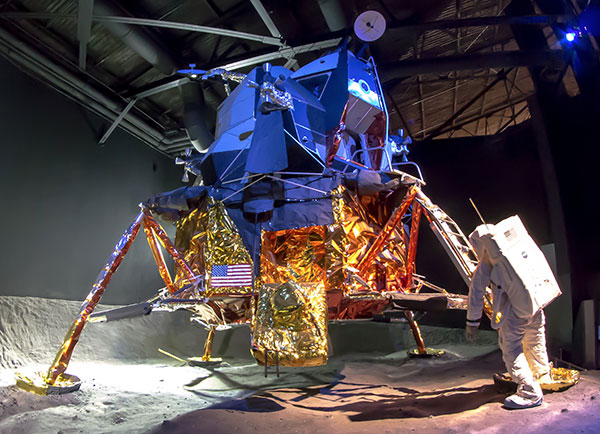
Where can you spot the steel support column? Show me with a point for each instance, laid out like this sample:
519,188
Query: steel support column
84,28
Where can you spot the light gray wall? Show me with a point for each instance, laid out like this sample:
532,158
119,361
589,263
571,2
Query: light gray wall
66,201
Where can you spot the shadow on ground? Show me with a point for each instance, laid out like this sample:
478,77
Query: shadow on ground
373,405
14,400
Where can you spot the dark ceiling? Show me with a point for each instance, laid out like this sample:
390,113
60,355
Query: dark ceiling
449,68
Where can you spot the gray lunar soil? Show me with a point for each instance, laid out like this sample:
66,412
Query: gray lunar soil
368,384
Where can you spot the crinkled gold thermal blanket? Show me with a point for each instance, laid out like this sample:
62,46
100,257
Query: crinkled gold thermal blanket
209,237
358,223
290,325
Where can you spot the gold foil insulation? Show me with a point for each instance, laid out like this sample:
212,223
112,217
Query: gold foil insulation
414,236
357,258
190,240
384,234
290,324
208,237
355,306
326,255
562,379
360,221
294,254
307,275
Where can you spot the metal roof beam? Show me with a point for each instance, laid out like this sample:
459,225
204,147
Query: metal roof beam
161,88
264,15
443,78
116,122
466,121
269,40
495,109
283,53
499,77
501,20
513,118
445,64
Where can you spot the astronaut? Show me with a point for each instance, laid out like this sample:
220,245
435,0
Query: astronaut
522,284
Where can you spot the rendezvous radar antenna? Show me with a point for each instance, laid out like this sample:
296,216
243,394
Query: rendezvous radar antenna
369,26
477,211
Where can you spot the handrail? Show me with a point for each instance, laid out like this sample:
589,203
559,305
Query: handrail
380,148
410,163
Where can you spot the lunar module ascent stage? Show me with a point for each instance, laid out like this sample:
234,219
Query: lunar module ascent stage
299,216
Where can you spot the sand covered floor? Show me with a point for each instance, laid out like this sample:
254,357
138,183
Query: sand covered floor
445,396
369,385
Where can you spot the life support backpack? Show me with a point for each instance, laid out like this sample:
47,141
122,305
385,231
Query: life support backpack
519,268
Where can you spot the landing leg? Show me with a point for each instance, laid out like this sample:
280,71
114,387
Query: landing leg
421,351
206,359
208,345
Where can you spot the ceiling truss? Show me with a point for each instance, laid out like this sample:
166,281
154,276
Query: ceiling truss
458,77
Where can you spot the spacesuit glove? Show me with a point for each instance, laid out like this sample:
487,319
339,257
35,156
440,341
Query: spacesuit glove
471,332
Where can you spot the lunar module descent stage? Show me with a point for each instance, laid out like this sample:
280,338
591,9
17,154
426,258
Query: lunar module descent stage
299,216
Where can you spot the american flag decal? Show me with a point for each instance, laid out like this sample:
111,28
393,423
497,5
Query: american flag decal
231,275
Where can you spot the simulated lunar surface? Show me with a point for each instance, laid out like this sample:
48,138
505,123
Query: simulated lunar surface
368,385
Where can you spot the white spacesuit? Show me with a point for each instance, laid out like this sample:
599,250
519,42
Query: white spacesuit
522,283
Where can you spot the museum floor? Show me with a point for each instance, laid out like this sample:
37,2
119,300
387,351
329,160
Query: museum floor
369,385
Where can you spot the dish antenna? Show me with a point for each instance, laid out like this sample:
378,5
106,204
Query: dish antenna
369,26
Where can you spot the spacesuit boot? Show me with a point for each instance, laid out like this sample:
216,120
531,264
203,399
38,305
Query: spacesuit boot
527,396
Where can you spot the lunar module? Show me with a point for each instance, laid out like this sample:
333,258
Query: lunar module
300,214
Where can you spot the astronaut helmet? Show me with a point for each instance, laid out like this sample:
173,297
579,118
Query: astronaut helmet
479,239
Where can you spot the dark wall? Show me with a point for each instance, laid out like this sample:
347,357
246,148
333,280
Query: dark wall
66,200
503,175
573,134
570,125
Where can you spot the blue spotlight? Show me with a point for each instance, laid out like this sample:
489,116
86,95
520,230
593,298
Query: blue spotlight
570,36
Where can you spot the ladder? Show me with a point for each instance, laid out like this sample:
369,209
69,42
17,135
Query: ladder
452,239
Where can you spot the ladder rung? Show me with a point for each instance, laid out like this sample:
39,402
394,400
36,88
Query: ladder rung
450,234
